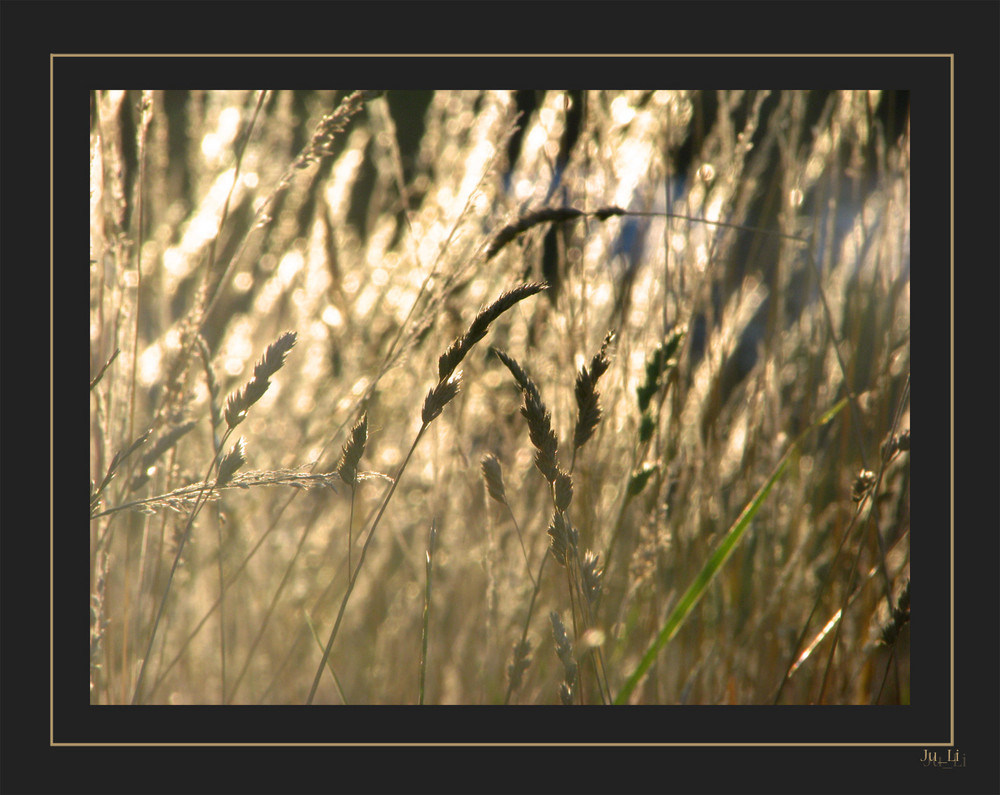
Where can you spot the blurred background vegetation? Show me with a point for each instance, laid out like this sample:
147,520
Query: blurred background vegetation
766,235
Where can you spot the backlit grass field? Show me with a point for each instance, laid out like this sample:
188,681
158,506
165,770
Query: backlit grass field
499,397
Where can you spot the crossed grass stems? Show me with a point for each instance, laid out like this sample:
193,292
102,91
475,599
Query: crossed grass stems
583,573
583,569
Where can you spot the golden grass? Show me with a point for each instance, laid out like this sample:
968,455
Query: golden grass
435,297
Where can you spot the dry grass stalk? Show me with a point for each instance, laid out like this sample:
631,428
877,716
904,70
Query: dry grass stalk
210,381
182,499
544,215
438,397
97,378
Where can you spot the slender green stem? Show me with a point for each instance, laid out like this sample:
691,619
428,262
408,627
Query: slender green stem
712,566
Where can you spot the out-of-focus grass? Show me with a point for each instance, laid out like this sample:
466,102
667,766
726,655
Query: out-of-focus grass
362,222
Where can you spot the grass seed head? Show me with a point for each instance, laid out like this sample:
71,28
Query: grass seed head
242,399
353,450
589,411
539,420
562,537
564,490
457,351
439,397
493,475
231,461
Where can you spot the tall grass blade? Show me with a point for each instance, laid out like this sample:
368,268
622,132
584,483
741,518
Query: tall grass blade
712,566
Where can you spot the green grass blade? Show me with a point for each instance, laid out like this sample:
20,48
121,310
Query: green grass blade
715,563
